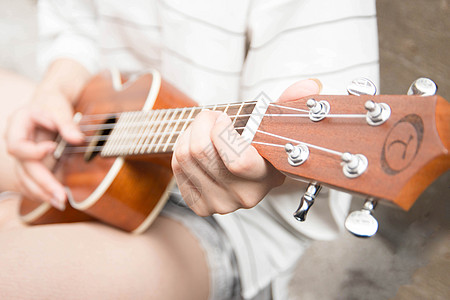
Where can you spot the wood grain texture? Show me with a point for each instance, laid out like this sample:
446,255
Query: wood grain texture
142,180
396,172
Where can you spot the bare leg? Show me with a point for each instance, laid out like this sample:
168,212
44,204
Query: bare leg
15,91
93,261
89,260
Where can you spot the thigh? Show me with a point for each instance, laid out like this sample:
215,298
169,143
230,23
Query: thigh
92,261
15,91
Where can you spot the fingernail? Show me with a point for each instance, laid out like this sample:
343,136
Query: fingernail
60,195
60,198
318,82
58,204
74,134
78,135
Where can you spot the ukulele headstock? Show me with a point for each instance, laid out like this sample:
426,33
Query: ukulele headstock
388,147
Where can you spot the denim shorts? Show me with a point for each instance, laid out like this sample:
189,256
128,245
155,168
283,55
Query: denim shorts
223,269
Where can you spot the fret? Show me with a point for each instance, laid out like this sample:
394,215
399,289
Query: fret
129,134
166,130
226,108
122,133
148,132
186,123
141,124
238,113
113,145
146,123
175,127
157,132
245,113
149,135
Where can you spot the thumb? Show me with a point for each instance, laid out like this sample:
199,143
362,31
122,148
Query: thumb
66,125
301,89
69,130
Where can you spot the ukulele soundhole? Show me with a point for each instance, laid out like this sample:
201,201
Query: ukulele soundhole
99,139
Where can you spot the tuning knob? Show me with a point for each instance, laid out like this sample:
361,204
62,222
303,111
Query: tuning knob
423,87
361,86
307,201
297,155
362,223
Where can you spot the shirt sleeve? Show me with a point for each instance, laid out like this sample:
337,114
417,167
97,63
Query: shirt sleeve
333,41
291,40
68,29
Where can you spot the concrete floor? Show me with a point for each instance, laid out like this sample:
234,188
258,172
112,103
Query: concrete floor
409,258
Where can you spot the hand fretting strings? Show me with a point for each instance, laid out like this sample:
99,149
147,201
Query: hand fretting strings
139,132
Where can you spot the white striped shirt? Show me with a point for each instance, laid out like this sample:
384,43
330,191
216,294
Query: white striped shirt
220,51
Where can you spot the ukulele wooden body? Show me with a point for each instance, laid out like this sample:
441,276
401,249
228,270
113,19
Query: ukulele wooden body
124,192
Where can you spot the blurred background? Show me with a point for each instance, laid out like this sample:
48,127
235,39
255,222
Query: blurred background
409,258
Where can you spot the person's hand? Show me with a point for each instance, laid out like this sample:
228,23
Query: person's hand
212,175
29,139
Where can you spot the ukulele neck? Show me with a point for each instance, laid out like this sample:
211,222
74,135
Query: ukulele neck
156,131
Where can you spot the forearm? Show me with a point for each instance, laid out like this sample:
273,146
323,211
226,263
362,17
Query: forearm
65,76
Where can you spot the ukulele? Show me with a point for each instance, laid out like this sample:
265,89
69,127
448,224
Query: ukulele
388,147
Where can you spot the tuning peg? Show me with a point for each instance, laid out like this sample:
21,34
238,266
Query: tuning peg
362,223
318,110
423,87
377,113
361,86
297,155
353,165
307,201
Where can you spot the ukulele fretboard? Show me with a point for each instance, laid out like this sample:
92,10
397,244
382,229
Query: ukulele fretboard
156,131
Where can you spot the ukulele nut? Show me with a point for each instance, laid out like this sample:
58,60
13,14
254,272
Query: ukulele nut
297,155
377,113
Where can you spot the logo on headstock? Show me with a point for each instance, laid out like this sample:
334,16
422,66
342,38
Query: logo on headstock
402,144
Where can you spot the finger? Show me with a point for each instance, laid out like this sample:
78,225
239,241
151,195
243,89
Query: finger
43,119
45,180
237,154
68,129
191,176
194,198
24,149
29,188
190,193
21,127
301,89
202,149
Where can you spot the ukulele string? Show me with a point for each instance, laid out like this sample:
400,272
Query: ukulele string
300,142
158,124
87,128
105,137
96,117
81,149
